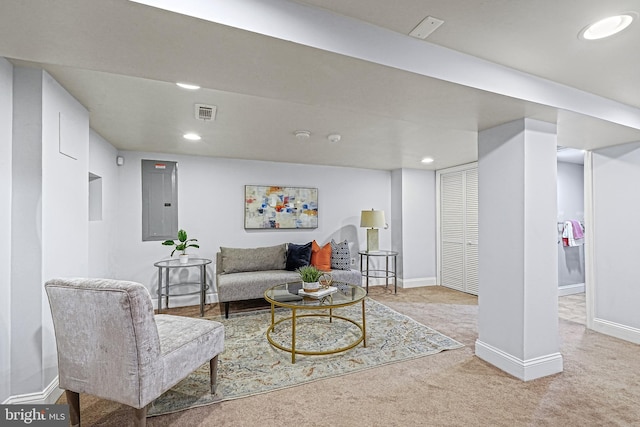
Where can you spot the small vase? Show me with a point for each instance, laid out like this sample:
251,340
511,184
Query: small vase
184,258
310,286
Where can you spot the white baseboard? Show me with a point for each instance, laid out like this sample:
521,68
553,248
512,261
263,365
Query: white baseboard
617,330
416,283
46,397
525,370
576,288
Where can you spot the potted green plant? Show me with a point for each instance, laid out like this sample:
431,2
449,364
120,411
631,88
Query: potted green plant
310,277
181,245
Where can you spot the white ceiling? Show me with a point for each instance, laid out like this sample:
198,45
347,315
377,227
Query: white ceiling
120,59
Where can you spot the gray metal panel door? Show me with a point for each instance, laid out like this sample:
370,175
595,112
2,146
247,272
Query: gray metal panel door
159,200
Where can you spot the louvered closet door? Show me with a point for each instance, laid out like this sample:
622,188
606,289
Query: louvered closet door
459,230
452,230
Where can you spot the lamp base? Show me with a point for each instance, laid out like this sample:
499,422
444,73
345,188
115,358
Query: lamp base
372,239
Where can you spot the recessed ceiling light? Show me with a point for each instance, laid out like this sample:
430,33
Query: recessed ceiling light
188,86
192,136
607,27
302,135
427,160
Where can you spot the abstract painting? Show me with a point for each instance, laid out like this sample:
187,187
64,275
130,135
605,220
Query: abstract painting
280,207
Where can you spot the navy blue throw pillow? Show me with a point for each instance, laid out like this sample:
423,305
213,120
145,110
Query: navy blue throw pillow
298,256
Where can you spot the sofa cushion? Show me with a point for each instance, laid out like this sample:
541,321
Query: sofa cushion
340,255
253,284
353,277
298,256
321,256
235,260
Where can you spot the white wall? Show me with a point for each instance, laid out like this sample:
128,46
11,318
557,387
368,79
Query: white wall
570,206
211,207
396,225
26,227
616,241
103,234
418,227
6,137
49,222
65,200
65,182
498,152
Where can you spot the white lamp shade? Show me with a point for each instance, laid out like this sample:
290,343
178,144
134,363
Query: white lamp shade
372,219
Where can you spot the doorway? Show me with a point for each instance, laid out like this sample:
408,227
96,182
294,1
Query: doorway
571,232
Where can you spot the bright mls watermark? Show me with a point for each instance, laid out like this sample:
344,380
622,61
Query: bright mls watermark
34,415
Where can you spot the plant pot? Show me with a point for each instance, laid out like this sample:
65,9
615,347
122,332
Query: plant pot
310,286
184,258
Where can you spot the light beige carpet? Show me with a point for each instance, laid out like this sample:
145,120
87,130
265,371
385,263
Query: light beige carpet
250,365
600,385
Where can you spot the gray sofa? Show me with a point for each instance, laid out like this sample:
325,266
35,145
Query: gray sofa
246,273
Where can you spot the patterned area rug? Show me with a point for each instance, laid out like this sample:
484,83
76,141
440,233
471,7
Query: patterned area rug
250,365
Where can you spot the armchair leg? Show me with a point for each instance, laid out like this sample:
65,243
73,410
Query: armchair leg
213,373
140,417
226,310
73,399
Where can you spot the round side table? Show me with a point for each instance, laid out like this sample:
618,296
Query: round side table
163,272
386,274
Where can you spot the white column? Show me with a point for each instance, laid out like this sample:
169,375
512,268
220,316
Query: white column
518,272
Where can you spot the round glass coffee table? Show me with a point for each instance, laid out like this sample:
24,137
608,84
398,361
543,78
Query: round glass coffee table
322,306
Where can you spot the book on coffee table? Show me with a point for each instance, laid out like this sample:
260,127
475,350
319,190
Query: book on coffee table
322,292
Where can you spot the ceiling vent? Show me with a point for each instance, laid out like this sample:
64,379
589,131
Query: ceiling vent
427,26
205,112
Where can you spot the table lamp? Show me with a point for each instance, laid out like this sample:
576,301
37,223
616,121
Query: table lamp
373,220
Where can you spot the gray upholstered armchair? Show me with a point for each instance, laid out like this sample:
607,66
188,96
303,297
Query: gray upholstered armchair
112,346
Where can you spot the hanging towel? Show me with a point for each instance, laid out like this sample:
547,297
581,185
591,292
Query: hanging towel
567,233
568,236
577,230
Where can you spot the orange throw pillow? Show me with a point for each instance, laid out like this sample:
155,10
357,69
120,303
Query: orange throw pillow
321,256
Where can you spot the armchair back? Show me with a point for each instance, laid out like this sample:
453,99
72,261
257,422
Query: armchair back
107,339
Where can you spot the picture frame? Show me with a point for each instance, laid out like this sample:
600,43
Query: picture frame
280,207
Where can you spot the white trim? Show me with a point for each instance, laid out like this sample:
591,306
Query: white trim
416,283
576,288
617,330
46,397
589,241
525,370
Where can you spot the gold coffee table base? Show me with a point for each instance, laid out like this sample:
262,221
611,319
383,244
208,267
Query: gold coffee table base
360,339
285,295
